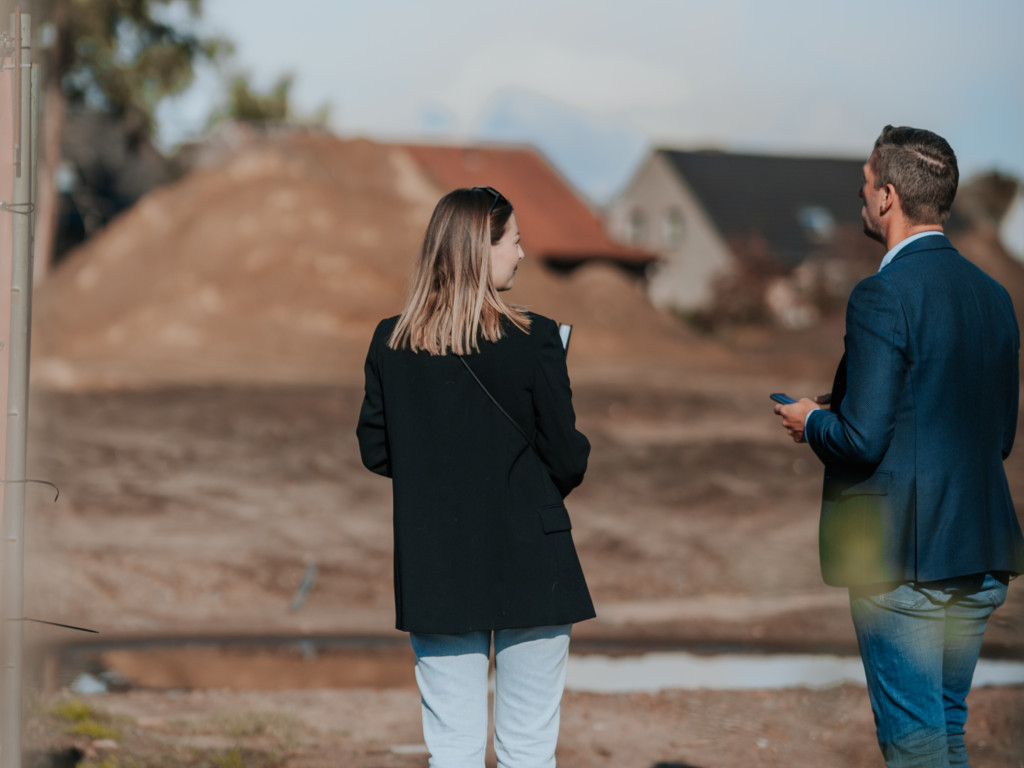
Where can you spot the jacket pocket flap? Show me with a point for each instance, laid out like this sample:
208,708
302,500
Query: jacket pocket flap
554,518
876,485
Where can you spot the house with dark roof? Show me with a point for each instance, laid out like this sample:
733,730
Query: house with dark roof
706,212
558,227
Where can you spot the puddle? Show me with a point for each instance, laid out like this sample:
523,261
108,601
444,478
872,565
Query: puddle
678,670
288,664
239,665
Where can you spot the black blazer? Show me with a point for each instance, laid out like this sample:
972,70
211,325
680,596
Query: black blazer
482,538
924,410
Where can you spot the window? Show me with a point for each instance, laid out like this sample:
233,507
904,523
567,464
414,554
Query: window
637,226
672,228
817,220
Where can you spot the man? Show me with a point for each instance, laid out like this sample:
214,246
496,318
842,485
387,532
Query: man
916,515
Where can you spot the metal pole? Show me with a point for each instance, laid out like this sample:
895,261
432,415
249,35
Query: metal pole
17,404
33,101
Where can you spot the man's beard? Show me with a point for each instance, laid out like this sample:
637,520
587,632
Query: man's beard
871,230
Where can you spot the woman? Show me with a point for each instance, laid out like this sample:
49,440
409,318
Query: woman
468,410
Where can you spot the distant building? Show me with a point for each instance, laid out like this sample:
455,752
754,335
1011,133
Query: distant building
1011,226
559,228
706,212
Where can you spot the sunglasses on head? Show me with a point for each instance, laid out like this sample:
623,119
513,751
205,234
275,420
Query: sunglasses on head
497,196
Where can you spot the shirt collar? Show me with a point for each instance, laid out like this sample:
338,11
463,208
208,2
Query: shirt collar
900,245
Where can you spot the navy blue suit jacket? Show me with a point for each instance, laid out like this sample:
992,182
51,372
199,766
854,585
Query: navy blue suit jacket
923,413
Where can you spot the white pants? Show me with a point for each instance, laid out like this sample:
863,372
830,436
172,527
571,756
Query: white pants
529,676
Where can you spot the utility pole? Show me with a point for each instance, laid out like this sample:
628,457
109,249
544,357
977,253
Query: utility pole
18,209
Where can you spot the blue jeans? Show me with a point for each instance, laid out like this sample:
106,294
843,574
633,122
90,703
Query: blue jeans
919,642
529,676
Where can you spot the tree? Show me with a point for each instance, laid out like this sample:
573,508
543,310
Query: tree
119,57
246,104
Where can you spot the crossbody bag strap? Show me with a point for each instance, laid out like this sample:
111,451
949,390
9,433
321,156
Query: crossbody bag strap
496,403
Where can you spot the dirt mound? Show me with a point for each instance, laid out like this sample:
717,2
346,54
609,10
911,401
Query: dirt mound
256,270
274,266
982,246
614,325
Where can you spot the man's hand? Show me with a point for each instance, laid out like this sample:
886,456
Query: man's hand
795,414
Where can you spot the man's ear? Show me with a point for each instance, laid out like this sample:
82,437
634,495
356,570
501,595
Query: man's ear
888,198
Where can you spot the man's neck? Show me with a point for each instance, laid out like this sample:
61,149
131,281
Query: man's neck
900,232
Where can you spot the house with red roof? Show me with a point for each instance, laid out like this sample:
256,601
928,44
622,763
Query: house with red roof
558,227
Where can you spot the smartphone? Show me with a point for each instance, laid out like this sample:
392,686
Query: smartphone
778,397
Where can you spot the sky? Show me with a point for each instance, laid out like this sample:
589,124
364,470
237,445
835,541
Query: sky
596,85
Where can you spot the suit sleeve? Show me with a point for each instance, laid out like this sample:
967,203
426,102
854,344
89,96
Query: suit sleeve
371,430
862,429
563,449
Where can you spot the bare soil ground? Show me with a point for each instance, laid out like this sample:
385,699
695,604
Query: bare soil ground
195,512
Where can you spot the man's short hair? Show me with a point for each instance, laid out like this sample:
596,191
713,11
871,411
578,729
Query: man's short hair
921,167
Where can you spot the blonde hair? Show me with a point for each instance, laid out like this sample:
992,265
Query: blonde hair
452,302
